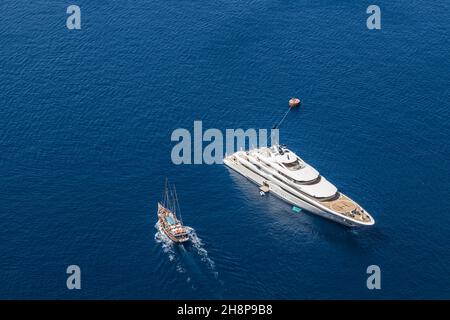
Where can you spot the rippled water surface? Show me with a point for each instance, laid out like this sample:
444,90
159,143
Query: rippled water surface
86,118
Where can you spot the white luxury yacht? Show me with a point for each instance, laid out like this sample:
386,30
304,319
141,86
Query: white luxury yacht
280,171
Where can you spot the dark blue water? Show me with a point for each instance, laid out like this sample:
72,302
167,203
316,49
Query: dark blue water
86,118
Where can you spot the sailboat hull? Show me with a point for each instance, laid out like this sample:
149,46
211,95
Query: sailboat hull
171,226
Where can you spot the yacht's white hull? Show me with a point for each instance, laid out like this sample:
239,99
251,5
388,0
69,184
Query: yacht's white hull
286,196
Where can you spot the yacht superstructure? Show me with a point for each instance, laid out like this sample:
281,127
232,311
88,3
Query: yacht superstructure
287,176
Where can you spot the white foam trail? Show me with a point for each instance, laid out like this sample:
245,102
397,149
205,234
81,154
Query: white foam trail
201,251
168,248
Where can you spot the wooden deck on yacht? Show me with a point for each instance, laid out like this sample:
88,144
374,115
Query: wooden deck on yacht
346,206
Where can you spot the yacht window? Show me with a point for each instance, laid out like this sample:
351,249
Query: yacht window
293,165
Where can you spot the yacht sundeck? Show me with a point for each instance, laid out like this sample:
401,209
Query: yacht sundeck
280,171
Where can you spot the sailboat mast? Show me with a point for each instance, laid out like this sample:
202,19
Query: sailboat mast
164,200
172,201
177,204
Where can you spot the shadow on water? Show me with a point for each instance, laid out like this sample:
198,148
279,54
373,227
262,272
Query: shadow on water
192,263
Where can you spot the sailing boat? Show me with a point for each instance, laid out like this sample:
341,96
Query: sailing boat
167,216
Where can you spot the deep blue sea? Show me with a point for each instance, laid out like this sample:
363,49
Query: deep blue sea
86,118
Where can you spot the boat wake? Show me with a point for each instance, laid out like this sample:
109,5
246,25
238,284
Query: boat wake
190,259
201,251
166,244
